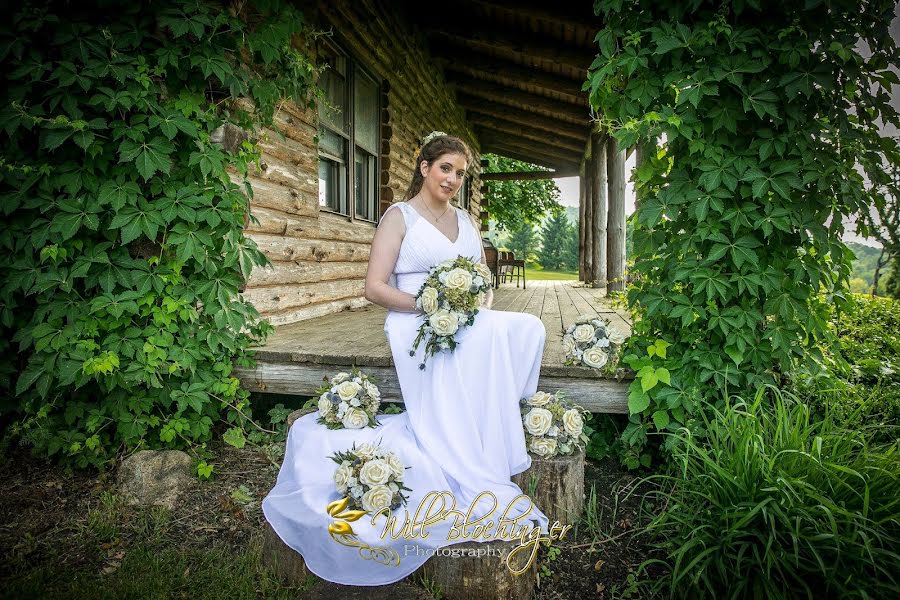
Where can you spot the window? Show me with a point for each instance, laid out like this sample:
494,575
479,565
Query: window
349,136
464,193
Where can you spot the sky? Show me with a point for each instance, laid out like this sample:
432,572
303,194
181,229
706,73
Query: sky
568,186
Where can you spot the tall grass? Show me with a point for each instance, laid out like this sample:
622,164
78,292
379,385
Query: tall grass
772,504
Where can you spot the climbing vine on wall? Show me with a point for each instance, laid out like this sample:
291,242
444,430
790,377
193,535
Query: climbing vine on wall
123,252
769,115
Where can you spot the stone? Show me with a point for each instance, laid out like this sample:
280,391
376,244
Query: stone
155,477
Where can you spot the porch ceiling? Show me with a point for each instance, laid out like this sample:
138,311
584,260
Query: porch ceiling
518,68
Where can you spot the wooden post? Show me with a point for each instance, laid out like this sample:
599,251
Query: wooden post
598,201
587,255
581,211
616,221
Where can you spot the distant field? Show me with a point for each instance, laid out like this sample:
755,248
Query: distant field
537,275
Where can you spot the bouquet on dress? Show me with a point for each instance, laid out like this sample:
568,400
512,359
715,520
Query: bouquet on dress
450,298
371,477
592,342
553,425
349,400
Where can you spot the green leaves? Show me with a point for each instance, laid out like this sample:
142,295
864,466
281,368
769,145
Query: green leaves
136,220
148,157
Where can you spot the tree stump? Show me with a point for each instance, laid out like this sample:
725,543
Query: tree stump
297,414
283,560
560,486
486,577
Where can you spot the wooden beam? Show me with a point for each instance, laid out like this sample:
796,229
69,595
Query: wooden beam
529,133
475,105
533,158
616,221
576,15
470,63
527,175
579,115
561,155
598,200
523,47
303,378
564,135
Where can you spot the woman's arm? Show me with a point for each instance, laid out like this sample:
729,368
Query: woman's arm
489,296
382,259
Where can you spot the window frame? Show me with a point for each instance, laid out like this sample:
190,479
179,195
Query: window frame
347,185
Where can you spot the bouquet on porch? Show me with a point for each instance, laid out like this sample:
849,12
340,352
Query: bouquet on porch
450,298
592,342
553,425
371,477
348,400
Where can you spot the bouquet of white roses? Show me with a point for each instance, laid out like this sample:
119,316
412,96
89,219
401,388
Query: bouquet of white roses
450,298
553,425
592,341
349,400
371,477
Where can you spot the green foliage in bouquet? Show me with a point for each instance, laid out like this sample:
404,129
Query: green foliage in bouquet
450,298
123,252
771,120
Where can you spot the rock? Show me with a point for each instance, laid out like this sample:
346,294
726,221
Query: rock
560,486
155,477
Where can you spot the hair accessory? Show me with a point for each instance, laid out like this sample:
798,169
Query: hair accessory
427,139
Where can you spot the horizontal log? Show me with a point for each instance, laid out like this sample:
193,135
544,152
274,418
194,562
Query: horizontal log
286,273
564,154
524,101
325,226
279,298
527,175
292,200
312,311
284,248
526,135
302,379
577,139
552,124
529,156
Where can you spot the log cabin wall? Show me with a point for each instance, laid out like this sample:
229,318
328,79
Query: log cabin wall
319,258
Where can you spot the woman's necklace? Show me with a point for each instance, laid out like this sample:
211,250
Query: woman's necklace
436,219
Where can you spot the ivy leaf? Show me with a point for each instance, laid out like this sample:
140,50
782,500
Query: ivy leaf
149,157
661,419
235,437
638,401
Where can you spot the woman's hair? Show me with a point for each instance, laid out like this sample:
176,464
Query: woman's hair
430,152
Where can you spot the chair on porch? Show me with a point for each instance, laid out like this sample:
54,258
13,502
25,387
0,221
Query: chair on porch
491,256
509,267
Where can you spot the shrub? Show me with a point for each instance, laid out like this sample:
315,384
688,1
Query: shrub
773,504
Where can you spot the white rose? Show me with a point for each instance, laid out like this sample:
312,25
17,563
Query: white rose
348,389
377,498
616,337
365,451
583,333
459,279
538,421
572,422
375,472
325,407
568,344
543,446
479,298
595,357
342,476
478,281
355,418
483,270
339,378
444,322
371,389
540,399
396,465
429,300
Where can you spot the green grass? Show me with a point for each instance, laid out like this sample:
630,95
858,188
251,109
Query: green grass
542,275
774,504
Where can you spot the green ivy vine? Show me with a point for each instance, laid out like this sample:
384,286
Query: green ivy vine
123,254
768,116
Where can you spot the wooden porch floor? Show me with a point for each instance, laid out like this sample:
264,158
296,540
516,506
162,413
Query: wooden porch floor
298,355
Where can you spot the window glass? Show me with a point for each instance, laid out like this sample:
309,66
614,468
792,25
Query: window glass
366,111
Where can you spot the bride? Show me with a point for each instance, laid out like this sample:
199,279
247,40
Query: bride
462,429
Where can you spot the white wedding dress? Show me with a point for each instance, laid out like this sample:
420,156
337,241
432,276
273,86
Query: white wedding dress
461,431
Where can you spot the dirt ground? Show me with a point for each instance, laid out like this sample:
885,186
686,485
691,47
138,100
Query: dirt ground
51,516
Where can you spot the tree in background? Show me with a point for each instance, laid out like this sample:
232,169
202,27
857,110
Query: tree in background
523,242
892,285
570,248
555,233
512,203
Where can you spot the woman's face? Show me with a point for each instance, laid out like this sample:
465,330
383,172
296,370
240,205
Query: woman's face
444,176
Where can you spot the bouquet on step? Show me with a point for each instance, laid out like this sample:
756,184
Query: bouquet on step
349,400
450,299
553,425
371,477
592,342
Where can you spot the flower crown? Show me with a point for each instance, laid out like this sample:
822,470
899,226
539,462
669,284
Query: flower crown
428,138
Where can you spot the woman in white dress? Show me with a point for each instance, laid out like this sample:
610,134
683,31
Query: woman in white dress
462,429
